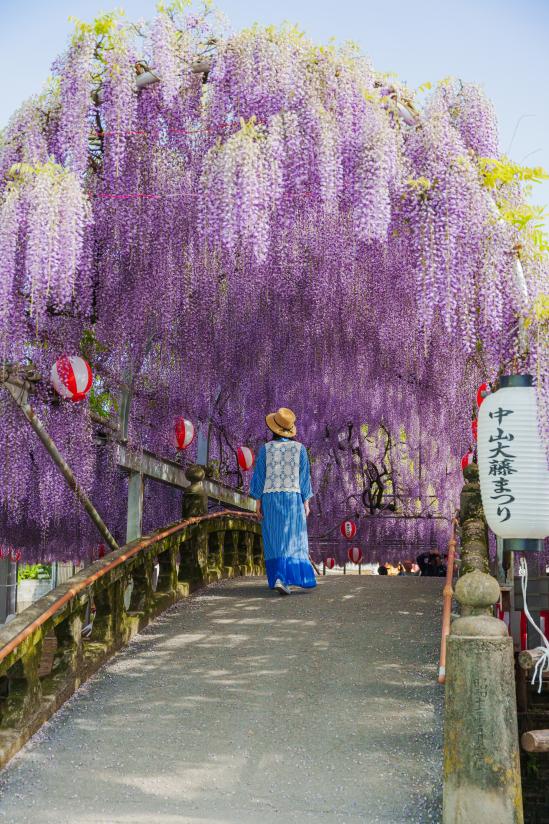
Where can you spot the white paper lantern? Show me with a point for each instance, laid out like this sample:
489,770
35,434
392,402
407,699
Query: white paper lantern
184,433
71,377
245,457
513,473
355,555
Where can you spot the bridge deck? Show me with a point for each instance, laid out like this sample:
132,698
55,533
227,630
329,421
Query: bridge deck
241,707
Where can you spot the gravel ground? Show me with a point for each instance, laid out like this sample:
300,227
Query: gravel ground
240,707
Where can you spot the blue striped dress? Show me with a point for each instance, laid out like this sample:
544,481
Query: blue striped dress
282,480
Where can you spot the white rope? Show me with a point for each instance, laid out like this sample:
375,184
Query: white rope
543,663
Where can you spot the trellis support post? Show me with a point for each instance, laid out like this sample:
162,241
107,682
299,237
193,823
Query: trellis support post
134,522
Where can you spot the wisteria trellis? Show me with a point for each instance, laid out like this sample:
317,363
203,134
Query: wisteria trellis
287,225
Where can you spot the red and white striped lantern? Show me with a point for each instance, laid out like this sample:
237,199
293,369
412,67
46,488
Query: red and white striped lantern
467,460
246,458
482,392
330,563
355,555
474,429
184,433
15,557
71,377
348,529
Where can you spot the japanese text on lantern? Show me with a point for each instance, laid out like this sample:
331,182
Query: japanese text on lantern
501,464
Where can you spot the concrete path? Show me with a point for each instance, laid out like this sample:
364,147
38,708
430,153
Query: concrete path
241,707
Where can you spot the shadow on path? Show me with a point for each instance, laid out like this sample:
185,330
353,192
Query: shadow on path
240,707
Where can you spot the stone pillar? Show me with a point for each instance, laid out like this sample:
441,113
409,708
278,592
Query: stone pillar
195,500
216,544
474,532
235,537
481,749
24,689
248,556
167,576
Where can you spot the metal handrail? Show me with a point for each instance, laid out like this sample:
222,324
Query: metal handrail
447,595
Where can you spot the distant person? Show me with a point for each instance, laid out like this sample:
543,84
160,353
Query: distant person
429,565
438,568
423,563
281,484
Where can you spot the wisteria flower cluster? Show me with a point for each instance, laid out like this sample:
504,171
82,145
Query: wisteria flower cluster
222,224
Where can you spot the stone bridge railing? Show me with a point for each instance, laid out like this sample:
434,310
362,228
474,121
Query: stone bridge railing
53,646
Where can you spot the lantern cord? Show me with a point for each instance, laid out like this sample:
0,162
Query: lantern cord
543,662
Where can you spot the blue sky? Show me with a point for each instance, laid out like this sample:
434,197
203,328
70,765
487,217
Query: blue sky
501,44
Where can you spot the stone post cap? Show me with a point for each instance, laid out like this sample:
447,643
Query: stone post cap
470,473
195,474
477,590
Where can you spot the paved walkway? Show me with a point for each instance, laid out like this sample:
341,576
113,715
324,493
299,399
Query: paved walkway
241,707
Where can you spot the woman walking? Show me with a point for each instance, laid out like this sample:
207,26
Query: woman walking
281,484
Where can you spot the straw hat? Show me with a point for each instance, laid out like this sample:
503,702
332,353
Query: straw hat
282,422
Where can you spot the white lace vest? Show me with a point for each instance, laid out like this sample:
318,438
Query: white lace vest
282,471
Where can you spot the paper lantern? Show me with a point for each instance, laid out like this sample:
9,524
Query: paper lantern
348,529
71,377
355,555
482,392
474,429
246,458
329,563
513,473
467,460
184,433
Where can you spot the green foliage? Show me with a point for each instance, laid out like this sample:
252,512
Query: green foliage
102,26
91,346
22,172
175,7
527,218
34,572
539,314
213,470
532,764
420,185
500,176
496,173
101,401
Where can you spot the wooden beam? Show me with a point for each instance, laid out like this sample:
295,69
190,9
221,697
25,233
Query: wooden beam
535,741
227,495
528,658
149,77
149,464
171,473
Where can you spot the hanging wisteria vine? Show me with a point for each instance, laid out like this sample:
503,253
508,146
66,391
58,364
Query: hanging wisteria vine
226,223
